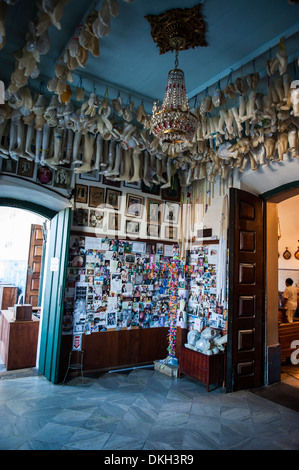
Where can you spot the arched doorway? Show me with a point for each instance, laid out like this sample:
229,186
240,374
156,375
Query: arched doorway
55,263
22,251
282,218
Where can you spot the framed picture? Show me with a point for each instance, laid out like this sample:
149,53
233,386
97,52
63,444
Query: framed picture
80,217
171,212
134,205
174,192
171,232
44,175
114,221
81,193
113,198
153,230
116,184
153,211
153,189
96,219
136,185
90,176
62,178
26,167
96,196
9,165
132,227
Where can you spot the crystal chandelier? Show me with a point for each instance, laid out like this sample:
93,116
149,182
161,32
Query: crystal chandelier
173,124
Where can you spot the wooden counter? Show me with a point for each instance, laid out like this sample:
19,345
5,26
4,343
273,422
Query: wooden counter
18,341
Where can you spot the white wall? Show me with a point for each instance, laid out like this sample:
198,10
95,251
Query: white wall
288,213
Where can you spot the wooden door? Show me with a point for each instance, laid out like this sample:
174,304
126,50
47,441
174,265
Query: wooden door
53,295
34,265
245,348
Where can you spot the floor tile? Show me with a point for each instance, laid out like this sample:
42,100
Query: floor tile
141,409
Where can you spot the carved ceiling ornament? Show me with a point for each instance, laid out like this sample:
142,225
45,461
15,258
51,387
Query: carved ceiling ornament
178,29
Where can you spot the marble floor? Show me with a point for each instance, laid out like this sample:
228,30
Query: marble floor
141,409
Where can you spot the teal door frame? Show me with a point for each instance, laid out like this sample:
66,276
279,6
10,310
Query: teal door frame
53,296
53,284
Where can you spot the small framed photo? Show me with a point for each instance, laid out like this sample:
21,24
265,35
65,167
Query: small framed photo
96,196
132,227
174,192
153,230
9,165
114,221
154,189
90,176
135,185
44,175
134,205
80,217
171,232
81,193
26,168
62,178
113,198
116,184
171,212
153,211
96,219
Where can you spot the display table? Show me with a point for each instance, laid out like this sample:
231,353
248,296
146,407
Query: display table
18,341
206,369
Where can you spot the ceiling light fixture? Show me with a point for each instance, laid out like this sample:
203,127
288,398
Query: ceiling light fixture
173,123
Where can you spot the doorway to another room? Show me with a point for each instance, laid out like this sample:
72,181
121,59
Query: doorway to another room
288,267
282,263
22,253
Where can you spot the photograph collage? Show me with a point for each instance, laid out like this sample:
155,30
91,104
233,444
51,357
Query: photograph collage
115,284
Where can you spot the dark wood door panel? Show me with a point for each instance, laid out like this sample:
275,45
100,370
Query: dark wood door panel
246,291
34,265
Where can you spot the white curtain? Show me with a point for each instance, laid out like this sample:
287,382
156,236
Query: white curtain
222,255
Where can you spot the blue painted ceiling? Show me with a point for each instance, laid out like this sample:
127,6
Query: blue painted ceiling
241,36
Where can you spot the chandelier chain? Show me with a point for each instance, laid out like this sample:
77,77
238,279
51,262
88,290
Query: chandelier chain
176,63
